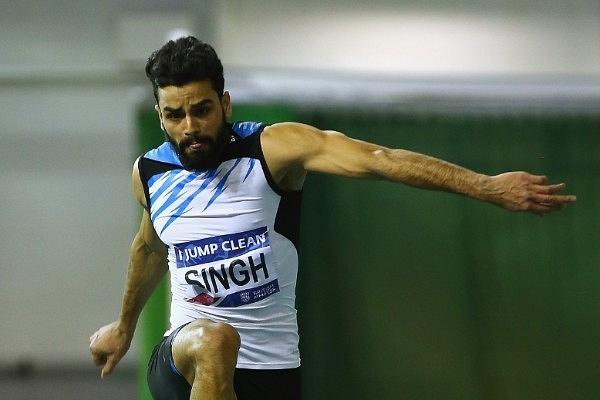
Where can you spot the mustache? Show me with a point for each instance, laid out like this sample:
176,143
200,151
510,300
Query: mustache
189,140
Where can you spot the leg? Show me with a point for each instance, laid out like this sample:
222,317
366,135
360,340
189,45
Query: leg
205,353
164,382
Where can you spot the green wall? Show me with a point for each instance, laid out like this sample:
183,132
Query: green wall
411,294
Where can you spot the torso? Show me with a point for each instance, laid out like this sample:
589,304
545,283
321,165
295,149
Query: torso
232,236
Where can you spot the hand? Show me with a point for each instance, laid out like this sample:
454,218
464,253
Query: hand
521,191
108,345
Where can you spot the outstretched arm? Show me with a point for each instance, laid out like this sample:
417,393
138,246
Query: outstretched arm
147,267
514,191
291,148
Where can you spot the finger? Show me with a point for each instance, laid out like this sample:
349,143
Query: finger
542,209
549,204
99,359
549,200
549,209
550,189
111,362
538,179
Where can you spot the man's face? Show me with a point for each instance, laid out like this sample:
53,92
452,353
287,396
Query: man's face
194,119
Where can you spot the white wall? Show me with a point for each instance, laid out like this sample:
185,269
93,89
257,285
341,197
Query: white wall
66,216
416,38
67,102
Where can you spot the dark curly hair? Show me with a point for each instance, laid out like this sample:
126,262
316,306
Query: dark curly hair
183,61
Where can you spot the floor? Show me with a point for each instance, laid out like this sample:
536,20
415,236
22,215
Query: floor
67,384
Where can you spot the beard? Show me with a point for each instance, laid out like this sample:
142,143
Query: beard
209,156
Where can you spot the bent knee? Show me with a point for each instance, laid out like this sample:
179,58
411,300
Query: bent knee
206,347
222,335
204,338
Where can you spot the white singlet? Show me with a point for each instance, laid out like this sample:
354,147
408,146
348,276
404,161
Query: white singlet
232,245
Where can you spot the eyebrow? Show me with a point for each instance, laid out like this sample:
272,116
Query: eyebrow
198,104
171,109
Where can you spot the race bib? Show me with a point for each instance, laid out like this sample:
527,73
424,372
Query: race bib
227,271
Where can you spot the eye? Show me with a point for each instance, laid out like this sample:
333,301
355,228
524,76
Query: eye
200,110
172,116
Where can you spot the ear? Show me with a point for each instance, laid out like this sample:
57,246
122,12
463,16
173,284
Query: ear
226,104
162,125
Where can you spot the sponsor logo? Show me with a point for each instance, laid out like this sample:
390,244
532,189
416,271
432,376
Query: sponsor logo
220,248
227,271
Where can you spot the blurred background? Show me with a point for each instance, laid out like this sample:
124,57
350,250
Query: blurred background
403,294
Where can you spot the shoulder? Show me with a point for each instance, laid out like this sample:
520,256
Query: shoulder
286,146
136,183
286,129
290,137
297,142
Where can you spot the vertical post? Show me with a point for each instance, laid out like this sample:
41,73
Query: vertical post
154,318
153,323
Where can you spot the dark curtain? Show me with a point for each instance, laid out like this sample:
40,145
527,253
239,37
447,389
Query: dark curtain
412,294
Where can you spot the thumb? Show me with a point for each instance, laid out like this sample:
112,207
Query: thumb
108,368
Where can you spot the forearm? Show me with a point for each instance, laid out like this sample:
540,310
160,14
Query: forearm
427,172
514,191
145,271
334,153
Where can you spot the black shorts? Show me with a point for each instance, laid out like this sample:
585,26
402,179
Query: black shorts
166,383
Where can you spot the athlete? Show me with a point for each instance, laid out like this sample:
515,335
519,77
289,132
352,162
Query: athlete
220,213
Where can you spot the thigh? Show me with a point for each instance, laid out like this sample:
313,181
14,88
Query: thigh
274,384
164,381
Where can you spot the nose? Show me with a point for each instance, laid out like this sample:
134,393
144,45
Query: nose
191,126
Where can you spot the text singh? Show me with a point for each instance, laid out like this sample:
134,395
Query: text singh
238,272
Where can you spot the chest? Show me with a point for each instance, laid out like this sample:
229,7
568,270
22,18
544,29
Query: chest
189,205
